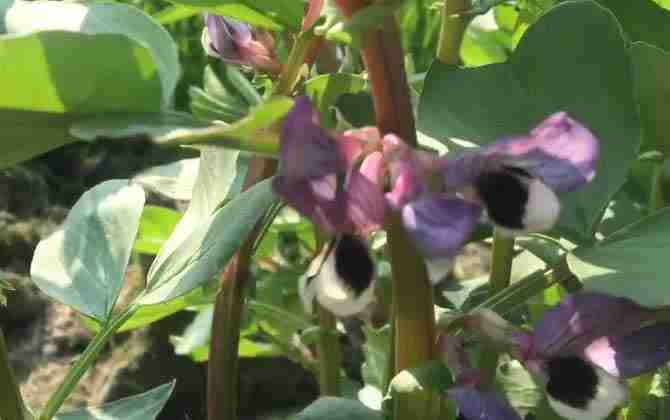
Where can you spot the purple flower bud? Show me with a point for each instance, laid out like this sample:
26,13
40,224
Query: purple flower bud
475,405
237,43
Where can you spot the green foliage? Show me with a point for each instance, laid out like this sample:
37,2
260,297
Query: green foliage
83,264
331,408
156,224
145,406
325,90
629,262
545,74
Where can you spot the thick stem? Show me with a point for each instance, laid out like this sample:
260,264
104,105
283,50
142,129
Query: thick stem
84,362
11,404
330,357
222,375
501,269
414,316
452,30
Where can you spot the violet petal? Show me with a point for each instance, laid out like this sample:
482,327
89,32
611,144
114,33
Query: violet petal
365,201
581,318
634,354
560,151
475,405
439,225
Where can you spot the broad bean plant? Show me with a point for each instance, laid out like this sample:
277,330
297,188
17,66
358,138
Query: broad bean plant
349,150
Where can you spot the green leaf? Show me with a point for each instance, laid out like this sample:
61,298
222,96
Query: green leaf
216,176
196,334
5,286
174,180
121,125
151,313
174,13
97,19
326,89
643,20
351,30
432,376
585,71
205,252
83,263
156,224
332,408
227,95
258,132
376,352
482,47
630,263
652,74
144,406
271,14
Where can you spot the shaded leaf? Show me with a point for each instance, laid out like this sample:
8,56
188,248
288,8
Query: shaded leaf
144,406
174,180
325,90
629,263
548,72
332,408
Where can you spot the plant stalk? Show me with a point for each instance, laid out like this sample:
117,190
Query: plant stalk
11,404
84,362
656,197
413,310
639,390
222,372
454,24
501,270
330,356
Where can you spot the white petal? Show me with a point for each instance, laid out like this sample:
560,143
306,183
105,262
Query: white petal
610,394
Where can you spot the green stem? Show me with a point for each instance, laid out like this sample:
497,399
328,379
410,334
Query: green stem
84,362
330,356
656,198
639,390
294,64
501,269
222,367
11,404
452,30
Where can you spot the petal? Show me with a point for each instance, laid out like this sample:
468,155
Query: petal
319,200
475,405
225,36
346,280
365,201
306,149
634,354
582,318
439,225
560,151
578,390
516,202
454,355
464,170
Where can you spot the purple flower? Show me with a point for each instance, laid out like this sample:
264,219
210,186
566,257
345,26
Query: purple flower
237,43
332,180
516,179
583,349
473,404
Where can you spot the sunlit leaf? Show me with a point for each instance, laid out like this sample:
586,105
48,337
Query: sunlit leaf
83,263
156,225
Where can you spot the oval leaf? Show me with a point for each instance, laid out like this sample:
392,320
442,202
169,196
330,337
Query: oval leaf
585,71
629,263
83,263
144,406
332,408
205,252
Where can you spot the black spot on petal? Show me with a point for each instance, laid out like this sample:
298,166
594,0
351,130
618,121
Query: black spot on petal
505,196
572,380
353,263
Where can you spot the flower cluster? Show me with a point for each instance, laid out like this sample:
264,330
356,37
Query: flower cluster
582,350
238,43
345,183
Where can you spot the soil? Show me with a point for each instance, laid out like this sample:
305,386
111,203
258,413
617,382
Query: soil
45,337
